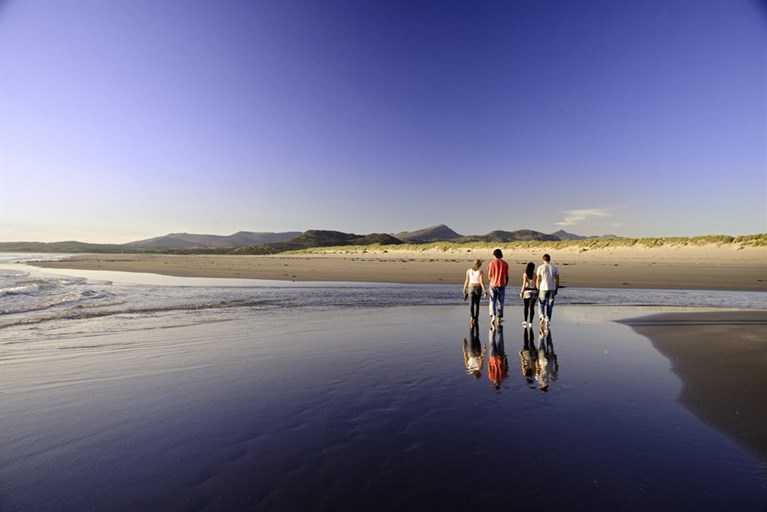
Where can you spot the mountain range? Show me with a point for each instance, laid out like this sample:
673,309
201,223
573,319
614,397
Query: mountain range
247,242
186,240
442,233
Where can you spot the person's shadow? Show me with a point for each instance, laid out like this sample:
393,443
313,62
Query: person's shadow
497,362
473,353
546,364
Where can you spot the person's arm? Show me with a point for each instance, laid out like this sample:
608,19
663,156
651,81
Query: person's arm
482,281
524,282
556,279
537,280
466,281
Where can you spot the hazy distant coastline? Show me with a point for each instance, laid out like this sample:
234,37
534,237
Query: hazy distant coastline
439,237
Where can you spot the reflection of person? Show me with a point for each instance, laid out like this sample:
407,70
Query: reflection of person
475,282
497,362
547,282
526,355
547,365
529,294
473,353
498,274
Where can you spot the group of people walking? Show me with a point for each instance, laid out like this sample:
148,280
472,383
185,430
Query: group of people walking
539,285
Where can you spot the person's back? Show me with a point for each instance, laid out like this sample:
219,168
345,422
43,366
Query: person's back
498,272
547,280
549,274
475,284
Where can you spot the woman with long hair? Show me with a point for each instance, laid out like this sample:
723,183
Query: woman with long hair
475,283
529,294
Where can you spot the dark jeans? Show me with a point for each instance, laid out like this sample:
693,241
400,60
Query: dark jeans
529,313
497,296
475,294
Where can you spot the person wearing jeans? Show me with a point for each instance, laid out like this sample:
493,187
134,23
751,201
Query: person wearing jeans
498,274
547,282
475,284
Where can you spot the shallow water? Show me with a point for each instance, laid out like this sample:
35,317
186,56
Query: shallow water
39,304
366,408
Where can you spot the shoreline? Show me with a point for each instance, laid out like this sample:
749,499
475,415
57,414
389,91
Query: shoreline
720,357
701,268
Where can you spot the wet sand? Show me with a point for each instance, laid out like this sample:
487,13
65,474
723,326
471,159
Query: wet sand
721,356
707,267
363,409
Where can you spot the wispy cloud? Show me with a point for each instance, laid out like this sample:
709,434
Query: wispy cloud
573,217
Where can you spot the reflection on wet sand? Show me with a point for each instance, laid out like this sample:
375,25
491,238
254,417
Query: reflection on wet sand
473,352
526,356
539,365
497,362
546,365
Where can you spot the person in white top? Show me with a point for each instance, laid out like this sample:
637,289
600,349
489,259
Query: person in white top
547,282
475,283
529,294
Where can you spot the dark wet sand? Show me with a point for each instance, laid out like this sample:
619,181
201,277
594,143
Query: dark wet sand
721,358
372,409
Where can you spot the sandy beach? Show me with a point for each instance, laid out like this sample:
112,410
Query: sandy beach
712,267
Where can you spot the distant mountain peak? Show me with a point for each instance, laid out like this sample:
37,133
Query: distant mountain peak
436,233
564,235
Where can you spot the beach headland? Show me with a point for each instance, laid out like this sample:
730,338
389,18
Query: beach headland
714,267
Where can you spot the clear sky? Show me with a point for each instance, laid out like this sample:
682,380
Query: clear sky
124,120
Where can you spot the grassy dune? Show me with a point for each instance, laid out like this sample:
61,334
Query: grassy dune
759,240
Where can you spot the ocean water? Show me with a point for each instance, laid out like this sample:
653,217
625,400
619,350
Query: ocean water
37,304
139,392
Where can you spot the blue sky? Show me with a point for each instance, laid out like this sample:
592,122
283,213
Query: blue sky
124,120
